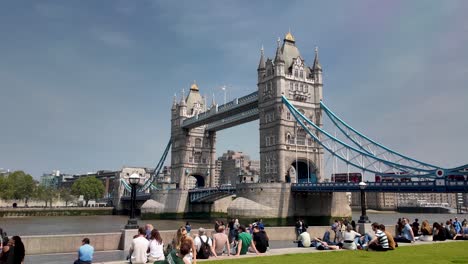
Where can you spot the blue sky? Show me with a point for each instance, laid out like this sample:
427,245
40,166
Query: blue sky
88,85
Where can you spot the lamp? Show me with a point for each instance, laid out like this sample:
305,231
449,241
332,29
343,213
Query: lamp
133,180
364,218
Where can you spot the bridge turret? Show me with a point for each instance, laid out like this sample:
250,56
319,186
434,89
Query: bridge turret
279,60
261,66
287,154
317,69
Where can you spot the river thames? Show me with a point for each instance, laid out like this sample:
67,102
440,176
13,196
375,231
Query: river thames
49,225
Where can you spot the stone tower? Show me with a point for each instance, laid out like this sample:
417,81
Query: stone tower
193,151
287,154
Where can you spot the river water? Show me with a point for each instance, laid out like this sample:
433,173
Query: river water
50,225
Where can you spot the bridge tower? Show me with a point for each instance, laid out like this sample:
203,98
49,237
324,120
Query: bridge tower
286,154
193,151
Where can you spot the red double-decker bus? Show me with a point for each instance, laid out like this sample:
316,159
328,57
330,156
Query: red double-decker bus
346,177
389,178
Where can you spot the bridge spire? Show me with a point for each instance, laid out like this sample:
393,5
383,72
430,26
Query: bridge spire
317,65
279,53
213,103
182,100
261,64
174,102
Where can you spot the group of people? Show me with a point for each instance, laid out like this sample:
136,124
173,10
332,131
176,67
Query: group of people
452,229
237,239
12,249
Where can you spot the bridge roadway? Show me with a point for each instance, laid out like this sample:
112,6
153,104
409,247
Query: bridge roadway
206,194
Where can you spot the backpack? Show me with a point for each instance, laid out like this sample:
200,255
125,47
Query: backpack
205,249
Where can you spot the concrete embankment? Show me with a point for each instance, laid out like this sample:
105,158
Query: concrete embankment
46,244
59,211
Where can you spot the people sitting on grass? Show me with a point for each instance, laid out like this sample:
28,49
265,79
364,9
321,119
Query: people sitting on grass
463,235
221,242
156,247
391,242
303,240
260,240
439,233
322,245
244,241
178,256
349,238
407,235
380,241
204,245
426,231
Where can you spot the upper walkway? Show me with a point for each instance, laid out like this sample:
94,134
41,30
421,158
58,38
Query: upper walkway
238,111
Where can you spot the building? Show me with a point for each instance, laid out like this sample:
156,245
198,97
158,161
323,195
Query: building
55,179
236,167
391,201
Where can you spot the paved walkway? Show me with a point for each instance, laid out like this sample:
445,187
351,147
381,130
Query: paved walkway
117,256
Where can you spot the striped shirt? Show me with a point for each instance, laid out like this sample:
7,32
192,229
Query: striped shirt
382,237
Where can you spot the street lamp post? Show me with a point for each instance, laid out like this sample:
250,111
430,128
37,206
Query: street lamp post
132,223
363,218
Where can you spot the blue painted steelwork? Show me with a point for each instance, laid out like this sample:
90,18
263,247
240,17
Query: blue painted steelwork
405,170
200,193
421,186
156,170
339,123
149,183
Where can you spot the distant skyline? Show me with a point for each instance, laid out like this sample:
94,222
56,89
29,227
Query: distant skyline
88,85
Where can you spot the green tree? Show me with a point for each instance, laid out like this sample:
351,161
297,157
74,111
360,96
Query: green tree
89,187
41,194
19,185
66,196
46,194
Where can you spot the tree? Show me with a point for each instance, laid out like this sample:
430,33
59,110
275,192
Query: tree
18,185
46,194
89,187
41,194
65,195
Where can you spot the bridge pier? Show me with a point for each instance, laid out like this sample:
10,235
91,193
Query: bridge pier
277,205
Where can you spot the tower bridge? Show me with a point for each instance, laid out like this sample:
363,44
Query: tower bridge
288,104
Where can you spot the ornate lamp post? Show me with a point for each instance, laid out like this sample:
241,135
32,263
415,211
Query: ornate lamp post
363,218
132,223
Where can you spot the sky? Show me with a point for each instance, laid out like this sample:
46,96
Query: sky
88,85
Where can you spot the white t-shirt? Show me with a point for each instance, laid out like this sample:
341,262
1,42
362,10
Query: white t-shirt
139,247
156,249
198,241
351,235
304,237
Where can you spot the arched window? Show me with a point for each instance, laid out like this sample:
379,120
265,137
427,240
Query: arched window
291,86
295,86
301,74
198,143
301,136
295,73
288,116
306,89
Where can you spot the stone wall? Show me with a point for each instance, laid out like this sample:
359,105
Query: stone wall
47,244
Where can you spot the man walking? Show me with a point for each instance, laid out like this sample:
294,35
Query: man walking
85,252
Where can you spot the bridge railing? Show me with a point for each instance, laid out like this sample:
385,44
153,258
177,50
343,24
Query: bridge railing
232,119
199,193
419,186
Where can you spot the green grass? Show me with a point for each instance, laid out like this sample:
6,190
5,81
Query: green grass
433,253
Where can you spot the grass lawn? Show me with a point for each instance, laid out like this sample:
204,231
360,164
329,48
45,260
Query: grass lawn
431,253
